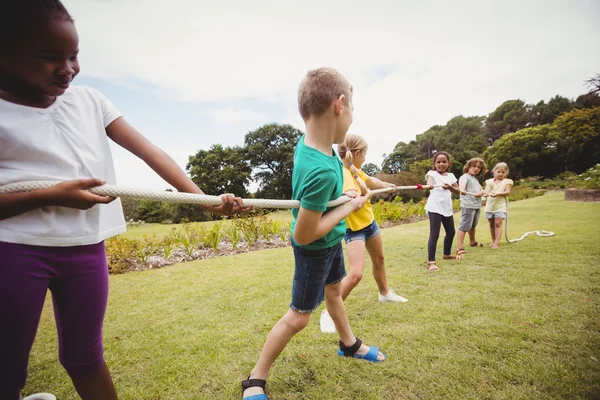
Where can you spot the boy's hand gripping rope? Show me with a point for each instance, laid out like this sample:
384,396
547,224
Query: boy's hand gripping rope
179,197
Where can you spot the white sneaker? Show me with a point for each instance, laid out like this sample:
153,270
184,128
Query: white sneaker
391,296
41,396
327,325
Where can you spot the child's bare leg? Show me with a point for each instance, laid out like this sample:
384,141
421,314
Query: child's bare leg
492,229
472,236
461,239
283,331
356,258
375,248
337,311
498,229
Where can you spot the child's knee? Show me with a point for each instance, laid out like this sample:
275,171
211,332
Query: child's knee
498,223
355,277
297,321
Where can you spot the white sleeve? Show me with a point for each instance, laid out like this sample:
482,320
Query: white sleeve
109,111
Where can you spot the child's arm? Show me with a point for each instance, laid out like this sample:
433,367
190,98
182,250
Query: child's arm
313,225
374,183
129,138
73,194
454,188
430,182
505,193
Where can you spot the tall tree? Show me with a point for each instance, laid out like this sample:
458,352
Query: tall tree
577,139
463,138
220,170
370,169
510,116
528,152
545,113
270,151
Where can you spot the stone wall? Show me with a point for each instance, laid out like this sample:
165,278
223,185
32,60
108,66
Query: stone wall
582,195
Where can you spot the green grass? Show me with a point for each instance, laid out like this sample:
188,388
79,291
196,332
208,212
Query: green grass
160,230
519,322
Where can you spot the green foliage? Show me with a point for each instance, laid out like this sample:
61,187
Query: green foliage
212,237
510,116
577,139
545,113
233,234
527,152
270,151
420,168
370,169
220,170
570,143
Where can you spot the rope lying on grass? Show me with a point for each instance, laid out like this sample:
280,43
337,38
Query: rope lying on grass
540,233
178,197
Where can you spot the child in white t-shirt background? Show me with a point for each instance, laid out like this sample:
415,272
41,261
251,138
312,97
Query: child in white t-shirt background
439,207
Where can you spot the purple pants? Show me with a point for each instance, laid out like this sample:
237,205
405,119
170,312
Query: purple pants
77,276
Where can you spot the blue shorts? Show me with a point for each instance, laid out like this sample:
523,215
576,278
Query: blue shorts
366,233
497,214
314,269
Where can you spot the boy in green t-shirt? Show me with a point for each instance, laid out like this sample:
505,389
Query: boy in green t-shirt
325,104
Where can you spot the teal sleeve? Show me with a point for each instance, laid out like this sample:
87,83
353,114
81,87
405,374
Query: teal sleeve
317,189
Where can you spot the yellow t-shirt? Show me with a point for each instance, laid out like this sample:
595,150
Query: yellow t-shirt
362,218
496,204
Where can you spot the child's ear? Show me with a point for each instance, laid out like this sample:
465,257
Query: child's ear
340,104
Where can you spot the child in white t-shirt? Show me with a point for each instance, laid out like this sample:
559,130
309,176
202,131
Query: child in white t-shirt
439,207
53,238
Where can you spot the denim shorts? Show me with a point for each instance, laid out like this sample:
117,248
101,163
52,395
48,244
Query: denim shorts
469,217
497,214
366,233
314,269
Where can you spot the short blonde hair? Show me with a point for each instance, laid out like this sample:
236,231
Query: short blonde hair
501,165
476,162
352,143
318,89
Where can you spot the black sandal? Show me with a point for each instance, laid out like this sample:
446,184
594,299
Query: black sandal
248,383
476,244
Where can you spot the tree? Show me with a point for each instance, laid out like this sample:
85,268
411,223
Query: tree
577,139
542,113
370,169
270,151
593,84
510,116
528,152
400,159
220,170
462,137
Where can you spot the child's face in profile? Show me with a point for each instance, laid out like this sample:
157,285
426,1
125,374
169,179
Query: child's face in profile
500,173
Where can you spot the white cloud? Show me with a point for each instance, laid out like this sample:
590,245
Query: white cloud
413,64
235,115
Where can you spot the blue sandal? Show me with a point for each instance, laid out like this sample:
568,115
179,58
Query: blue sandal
248,383
350,351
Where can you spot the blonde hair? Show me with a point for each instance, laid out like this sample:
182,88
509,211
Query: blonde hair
345,149
501,165
476,162
318,89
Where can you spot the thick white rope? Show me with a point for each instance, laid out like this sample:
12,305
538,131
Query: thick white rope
178,197
540,233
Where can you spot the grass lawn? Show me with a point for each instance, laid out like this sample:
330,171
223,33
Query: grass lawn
519,322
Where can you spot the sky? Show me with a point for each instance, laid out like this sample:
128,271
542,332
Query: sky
189,74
